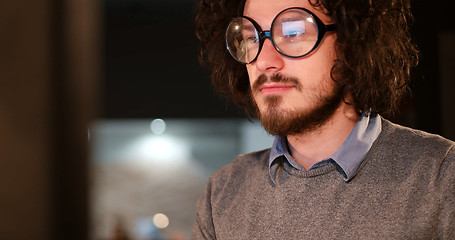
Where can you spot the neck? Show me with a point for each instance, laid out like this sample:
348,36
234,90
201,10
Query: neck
310,147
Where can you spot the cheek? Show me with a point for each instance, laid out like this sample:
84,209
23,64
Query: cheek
251,74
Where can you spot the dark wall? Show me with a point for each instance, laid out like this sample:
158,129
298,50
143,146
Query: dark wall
432,19
151,67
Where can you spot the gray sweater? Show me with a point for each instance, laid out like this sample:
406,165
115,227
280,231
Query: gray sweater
405,189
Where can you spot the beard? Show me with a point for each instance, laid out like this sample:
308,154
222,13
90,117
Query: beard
284,122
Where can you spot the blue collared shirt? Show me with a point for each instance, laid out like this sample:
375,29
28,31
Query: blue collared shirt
349,155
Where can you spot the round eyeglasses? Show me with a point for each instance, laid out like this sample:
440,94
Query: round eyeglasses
295,32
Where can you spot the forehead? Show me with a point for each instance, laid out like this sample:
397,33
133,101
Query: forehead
264,11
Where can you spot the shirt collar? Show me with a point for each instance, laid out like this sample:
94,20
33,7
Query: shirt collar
349,156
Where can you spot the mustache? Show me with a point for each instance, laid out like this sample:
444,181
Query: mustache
278,78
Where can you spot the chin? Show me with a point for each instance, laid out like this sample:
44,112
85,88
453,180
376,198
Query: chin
278,120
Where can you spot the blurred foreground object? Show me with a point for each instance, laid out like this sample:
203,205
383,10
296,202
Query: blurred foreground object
49,75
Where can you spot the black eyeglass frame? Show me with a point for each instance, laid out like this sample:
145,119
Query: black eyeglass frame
322,29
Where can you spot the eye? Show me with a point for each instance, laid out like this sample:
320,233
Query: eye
292,29
293,34
252,39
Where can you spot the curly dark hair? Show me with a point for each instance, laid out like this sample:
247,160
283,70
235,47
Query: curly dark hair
376,53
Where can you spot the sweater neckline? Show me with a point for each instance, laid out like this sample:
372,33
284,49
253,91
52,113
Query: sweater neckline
309,173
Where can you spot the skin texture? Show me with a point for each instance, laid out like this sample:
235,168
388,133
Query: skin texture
312,87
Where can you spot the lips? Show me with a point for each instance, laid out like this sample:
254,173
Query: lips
275,88
275,84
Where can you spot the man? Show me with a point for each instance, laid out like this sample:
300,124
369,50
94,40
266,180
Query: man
317,74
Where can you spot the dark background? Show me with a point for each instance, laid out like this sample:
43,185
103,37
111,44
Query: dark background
151,68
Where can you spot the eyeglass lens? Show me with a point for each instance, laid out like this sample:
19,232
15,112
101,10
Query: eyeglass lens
294,33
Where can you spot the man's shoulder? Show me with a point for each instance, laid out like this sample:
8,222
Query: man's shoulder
403,154
413,146
242,167
401,135
256,159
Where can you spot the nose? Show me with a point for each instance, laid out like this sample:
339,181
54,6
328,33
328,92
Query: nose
269,59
